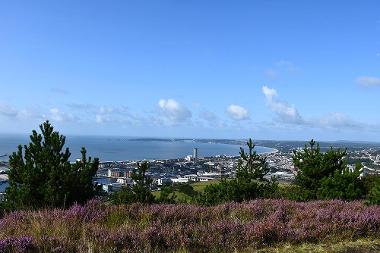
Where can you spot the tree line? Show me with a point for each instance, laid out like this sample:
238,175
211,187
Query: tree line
42,176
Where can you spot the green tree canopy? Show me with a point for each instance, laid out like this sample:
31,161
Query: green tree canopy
344,184
41,174
140,191
251,166
313,165
248,184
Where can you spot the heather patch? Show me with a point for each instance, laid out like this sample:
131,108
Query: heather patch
99,227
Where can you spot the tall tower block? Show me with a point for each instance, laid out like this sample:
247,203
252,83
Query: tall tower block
195,153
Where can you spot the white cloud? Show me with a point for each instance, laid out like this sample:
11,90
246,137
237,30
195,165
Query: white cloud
57,115
173,112
14,113
211,119
285,112
289,114
8,111
99,118
106,110
237,112
208,116
368,81
339,121
120,114
269,93
107,114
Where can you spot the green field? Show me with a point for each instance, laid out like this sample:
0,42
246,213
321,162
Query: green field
198,187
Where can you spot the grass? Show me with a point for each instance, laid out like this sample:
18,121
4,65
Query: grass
358,246
200,186
197,186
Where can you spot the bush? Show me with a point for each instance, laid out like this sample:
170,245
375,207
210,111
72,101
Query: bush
372,186
292,192
186,189
167,195
370,181
344,185
233,190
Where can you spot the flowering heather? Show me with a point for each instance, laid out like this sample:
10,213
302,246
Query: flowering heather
100,227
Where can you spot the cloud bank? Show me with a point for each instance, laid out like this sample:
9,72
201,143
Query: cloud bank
237,112
288,114
173,112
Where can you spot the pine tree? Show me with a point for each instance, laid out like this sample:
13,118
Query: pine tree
140,191
250,181
41,174
344,185
314,165
372,188
251,166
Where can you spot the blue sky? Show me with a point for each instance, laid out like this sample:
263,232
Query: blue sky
218,69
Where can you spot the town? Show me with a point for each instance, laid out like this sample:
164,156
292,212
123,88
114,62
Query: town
113,175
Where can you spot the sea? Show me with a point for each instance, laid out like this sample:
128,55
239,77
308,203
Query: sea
127,148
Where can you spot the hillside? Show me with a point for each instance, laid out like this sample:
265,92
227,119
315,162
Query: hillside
266,225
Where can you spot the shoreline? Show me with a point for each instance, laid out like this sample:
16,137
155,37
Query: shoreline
272,151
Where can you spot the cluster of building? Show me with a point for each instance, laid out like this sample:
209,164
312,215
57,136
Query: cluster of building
113,175
281,165
369,158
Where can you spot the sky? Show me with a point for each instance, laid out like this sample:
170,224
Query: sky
282,70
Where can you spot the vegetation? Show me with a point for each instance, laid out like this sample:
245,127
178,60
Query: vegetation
250,181
41,174
344,184
140,191
42,177
352,246
185,192
374,194
326,174
231,227
167,195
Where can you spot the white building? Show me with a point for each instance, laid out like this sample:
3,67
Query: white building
188,158
180,180
205,179
113,187
192,177
125,181
163,181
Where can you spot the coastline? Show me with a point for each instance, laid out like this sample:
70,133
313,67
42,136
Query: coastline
273,151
